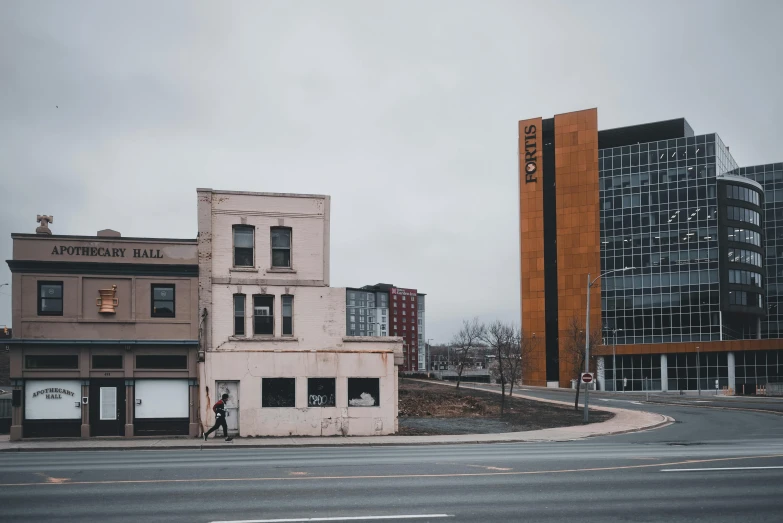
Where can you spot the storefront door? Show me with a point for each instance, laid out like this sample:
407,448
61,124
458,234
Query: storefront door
107,407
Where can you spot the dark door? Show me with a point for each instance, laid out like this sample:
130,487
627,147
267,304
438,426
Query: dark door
107,407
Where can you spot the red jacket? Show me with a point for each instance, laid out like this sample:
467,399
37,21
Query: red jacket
219,406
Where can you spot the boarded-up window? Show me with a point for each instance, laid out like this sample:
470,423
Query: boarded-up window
364,392
278,392
51,361
162,361
320,392
107,362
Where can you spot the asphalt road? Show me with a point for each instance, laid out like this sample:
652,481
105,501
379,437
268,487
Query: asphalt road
711,466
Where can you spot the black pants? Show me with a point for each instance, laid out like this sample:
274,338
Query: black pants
220,421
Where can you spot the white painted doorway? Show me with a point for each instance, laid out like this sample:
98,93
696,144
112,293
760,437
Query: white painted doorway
232,405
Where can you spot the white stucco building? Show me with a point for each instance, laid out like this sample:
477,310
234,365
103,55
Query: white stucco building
273,331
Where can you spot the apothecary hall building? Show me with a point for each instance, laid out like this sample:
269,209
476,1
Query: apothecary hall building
105,335
683,243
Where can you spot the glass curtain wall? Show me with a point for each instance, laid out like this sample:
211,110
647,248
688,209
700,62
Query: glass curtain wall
770,177
659,215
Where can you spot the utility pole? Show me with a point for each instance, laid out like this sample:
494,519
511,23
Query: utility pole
587,333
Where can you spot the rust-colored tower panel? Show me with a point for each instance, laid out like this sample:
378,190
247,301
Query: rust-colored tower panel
578,219
531,245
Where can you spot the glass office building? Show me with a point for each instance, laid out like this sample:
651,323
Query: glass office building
691,223
690,284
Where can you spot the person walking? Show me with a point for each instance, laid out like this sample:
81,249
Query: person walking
220,418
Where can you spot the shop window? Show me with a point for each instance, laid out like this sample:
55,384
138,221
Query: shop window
162,301
243,245
239,314
50,298
288,315
281,247
321,392
364,392
278,392
51,361
161,361
263,319
107,361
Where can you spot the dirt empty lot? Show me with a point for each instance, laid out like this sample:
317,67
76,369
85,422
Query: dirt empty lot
432,409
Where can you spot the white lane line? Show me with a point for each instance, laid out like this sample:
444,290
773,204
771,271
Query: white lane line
338,518
720,469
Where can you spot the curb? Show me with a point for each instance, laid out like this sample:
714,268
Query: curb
761,411
523,437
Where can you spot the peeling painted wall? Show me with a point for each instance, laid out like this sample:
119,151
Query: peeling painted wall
249,367
318,347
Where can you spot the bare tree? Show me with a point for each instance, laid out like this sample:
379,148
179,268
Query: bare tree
500,338
465,343
573,343
516,355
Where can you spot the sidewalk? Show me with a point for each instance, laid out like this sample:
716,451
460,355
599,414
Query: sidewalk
623,421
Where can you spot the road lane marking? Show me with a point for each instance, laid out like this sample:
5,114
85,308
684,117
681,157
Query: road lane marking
394,476
50,479
487,467
338,518
720,469
621,401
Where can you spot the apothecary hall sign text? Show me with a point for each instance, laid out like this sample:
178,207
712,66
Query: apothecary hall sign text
111,252
531,154
54,393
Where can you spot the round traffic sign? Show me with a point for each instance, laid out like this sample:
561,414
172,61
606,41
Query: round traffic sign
587,377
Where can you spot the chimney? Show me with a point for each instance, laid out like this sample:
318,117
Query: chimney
108,233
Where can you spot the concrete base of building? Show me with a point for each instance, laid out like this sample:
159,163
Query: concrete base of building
85,431
16,432
553,384
128,430
194,430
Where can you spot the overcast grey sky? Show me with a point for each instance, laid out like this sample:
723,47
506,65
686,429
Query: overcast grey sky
405,112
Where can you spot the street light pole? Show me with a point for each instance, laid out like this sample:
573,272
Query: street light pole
587,333
614,361
698,370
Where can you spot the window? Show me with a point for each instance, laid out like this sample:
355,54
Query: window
281,247
239,314
107,362
243,245
53,361
161,361
363,392
263,318
278,392
162,301
288,315
50,298
320,392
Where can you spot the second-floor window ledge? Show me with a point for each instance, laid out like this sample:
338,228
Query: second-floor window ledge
281,269
262,337
242,269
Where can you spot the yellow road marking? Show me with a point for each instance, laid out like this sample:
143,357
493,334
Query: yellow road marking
394,476
50,479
